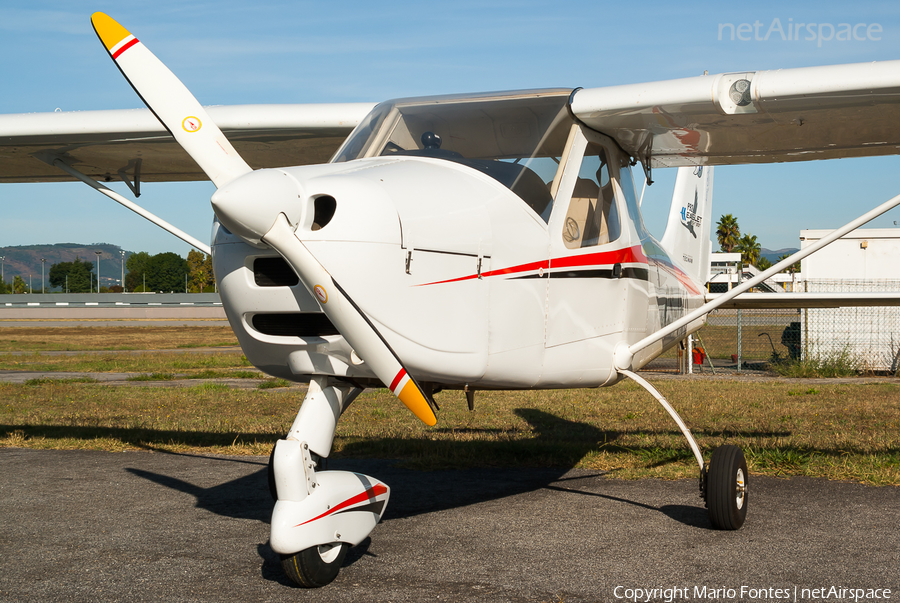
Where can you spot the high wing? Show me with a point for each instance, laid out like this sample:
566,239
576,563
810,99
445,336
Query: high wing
100,143
732,118
752,117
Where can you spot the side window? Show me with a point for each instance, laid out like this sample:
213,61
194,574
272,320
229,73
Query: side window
592,218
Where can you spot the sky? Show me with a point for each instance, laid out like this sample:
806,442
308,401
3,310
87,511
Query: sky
297,51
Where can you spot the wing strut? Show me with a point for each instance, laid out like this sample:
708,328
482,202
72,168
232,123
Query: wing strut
57,161
625,353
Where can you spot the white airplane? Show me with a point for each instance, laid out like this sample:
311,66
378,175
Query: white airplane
489,241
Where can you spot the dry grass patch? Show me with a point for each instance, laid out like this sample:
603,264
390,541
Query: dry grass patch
206,417
839,431
124,362
34,339
836,430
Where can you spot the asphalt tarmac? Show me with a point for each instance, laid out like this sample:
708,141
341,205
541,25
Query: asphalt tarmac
149,526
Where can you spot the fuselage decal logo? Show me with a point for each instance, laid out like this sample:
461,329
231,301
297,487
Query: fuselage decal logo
689,217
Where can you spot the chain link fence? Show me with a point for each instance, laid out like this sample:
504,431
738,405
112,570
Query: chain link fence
866,338
751,337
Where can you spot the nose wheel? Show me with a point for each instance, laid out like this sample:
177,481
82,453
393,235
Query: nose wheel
316,566
726,488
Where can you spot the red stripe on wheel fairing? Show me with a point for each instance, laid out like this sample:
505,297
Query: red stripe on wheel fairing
370,494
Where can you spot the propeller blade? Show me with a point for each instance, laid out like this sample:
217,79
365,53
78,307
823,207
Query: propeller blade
188,122
349,319
171,102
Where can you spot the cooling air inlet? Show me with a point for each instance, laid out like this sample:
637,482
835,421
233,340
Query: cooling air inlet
323,211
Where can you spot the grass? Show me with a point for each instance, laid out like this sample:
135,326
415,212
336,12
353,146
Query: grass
839,364
45,380
848,431
273,383
153,377
721,341
202,374
45,339
113,362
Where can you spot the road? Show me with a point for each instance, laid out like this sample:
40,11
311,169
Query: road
149,526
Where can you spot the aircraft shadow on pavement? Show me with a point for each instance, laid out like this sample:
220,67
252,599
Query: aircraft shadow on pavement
246,497
414,492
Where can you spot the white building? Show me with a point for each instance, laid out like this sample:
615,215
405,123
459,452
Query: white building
864,254
724,275
865,260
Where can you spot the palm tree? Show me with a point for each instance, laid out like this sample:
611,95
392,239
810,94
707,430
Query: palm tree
728,233
749,249
795,267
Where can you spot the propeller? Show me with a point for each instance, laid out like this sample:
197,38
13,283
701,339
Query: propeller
252,204
171,102
349,319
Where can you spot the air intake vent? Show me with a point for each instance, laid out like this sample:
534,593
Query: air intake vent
324,208
305,324
273,272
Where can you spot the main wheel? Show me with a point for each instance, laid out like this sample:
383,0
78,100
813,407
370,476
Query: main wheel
315,566
726,488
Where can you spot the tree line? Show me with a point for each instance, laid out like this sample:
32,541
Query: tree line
164,272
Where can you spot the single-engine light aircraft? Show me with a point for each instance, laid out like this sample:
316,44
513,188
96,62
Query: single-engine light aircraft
470,242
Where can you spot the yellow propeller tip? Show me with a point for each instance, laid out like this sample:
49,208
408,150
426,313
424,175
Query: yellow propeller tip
415,400
108,30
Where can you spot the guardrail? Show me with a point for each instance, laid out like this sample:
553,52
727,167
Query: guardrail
79,300
114,306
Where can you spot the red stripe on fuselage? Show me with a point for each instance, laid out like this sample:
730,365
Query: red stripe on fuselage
679,274
627,255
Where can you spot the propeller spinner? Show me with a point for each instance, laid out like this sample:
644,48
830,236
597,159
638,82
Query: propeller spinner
251,204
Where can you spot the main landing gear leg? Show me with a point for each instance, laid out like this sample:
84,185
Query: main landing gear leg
723,483
319,515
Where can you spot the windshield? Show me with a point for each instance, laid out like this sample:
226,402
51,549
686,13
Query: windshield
516,138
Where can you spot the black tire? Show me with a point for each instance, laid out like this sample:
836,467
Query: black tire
316,566
726,488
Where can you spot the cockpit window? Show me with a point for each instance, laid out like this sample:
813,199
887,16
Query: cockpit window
515,138
592,218
362,136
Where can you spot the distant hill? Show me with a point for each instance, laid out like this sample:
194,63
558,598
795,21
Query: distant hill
25,261
773,256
